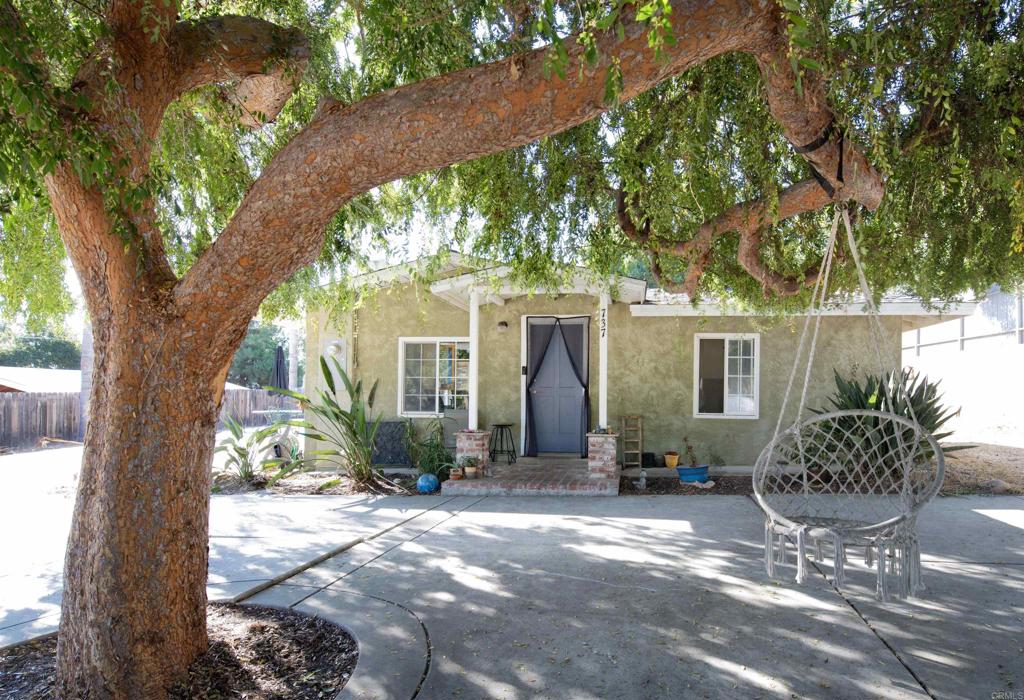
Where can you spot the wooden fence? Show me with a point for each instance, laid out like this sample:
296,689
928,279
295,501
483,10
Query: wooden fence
27,418
242,404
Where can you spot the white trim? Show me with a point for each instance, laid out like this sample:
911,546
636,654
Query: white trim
602,360
523,323
402,340
756,337
522,384
403,272
894,308
474,359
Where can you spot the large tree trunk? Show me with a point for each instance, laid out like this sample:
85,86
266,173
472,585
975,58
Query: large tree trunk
133,615
134,608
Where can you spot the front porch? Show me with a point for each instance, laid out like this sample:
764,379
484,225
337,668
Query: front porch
537,476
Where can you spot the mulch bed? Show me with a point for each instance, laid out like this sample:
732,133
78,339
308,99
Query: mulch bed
662,486
319,483
255,653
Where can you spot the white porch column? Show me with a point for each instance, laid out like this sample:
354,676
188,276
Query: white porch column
474,358
602,361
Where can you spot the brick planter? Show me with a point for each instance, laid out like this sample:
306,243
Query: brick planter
601,455
475,444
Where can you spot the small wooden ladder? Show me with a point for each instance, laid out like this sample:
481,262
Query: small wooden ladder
632,441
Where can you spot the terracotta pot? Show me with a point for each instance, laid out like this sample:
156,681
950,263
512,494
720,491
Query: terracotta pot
671,459
472,472
455,476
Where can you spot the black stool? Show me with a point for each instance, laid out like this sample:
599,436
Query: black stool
502,442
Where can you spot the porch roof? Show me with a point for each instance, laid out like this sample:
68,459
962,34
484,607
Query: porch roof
493,287
661,303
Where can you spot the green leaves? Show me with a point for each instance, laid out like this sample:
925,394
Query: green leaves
932,89
345,424
905,393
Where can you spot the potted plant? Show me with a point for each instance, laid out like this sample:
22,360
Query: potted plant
455,472
671,459
695,472
471,467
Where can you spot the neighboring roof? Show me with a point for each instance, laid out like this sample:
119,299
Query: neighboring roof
50,381
661,303
456,290
42,381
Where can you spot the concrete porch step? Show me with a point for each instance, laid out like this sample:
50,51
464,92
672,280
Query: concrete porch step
533,484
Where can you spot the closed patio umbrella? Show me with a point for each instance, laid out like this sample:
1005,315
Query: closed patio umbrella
279,377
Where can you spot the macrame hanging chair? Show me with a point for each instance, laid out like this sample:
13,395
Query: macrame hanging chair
851,478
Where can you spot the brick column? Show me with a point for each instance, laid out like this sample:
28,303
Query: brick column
473,443
601,455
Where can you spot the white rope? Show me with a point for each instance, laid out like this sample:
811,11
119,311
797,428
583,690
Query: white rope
862,473
817,318
826,259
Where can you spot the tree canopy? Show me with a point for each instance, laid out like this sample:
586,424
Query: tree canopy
191,156
932,91
45,351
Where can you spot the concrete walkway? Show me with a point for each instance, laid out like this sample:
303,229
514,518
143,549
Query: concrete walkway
665,597
253,537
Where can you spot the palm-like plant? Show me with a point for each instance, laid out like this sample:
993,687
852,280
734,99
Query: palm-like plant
350,433
910,395
905,393
243,460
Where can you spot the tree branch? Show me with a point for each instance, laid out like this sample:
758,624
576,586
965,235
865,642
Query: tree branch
746,218
347,150
140,28
260,61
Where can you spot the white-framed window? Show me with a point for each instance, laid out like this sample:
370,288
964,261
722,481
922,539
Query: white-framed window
433,375
726,375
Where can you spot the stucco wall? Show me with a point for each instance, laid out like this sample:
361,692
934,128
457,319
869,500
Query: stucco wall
650,372
650,362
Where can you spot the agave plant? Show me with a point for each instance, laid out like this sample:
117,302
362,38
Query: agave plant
906,394
911,395
350,433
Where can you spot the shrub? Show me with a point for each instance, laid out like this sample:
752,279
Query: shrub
897,394
244,461
429,455
350,432
878,393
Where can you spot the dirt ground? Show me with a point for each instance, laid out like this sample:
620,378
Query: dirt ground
976,469
666,485
984,469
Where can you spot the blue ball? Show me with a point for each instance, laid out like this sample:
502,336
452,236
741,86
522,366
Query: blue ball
427,483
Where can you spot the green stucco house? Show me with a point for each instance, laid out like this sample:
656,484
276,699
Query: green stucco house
467,346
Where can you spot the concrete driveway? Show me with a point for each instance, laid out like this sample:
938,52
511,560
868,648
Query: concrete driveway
574,598
666,597
253,537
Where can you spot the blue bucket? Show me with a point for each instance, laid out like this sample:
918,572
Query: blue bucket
693,474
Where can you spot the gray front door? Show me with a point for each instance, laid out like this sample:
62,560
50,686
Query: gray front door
557,400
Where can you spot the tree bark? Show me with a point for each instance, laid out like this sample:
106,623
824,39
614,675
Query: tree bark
133,616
